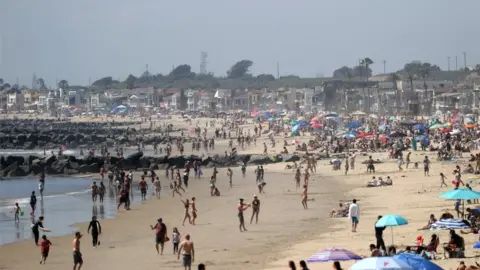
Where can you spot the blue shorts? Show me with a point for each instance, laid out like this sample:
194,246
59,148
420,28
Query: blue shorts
354,220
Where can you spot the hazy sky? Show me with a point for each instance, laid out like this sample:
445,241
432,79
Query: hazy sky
78,40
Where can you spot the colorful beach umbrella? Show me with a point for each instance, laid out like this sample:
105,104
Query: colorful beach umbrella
449,224
417,262
381,263
333,254
391,221
436,126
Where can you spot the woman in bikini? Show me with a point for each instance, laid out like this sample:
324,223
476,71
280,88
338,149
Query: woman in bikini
304,197
186,204
174,188
194,210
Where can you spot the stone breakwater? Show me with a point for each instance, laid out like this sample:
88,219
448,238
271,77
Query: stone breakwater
19,166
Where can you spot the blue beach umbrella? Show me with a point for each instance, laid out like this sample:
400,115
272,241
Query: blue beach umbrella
460,194
417,262
391,221
353,124
381,263
477,245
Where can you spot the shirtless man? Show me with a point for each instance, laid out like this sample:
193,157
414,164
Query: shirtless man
255,209
143,187
77,255
241,207
188,252
230,175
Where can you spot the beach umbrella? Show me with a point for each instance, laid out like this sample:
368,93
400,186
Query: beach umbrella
397,134
294,122
470,125
392,118
408,122
349,136
316,125
477,245
331,115
468,120
381,263
436,126
460,194
333,254
353,124
391,221
449,224
417,262
419,127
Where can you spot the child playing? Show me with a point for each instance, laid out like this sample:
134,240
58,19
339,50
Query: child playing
44,248
442,180
175,240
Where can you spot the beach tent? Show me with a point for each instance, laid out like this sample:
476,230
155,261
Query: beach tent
381,263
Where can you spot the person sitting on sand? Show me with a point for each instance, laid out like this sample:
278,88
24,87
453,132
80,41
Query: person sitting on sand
469,169
373,183
462,266
431,220
341,211
375,252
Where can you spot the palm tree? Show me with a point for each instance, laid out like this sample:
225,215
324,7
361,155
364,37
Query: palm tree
395,78
365,64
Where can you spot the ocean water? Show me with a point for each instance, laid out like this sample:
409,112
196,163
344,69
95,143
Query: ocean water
66,201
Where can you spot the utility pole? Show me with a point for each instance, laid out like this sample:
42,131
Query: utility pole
456,62
384,66
278,70
448,59
465,60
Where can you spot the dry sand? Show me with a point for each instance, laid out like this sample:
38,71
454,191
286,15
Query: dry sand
285,231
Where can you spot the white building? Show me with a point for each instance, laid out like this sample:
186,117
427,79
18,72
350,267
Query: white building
15,100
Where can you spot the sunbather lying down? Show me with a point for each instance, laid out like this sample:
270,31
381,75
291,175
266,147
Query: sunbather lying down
463,266
342,211
379,182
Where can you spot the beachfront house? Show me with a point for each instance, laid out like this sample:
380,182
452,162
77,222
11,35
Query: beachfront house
15,100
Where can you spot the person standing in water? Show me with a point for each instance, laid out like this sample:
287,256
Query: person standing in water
188,252
41,185
17,211
255,209
77,255
158,187
33,203
241,207
96,231
101,192
143,186
94,192
37,227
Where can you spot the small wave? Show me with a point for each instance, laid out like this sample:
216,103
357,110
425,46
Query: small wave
9,203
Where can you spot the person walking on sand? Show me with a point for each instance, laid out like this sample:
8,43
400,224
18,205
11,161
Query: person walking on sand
160,235
44,249
426,166
305,197
241,207
94,192
255,209
442,180
157,186
186,204
379,236
354,214
346,165
175,240
188,252
96,231
194,210
230,175
77,255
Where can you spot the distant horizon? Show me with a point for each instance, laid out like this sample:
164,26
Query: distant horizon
307,38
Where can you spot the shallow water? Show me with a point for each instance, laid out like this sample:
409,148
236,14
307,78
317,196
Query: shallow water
66,201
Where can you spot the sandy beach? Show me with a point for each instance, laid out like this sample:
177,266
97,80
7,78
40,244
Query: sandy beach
285,231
